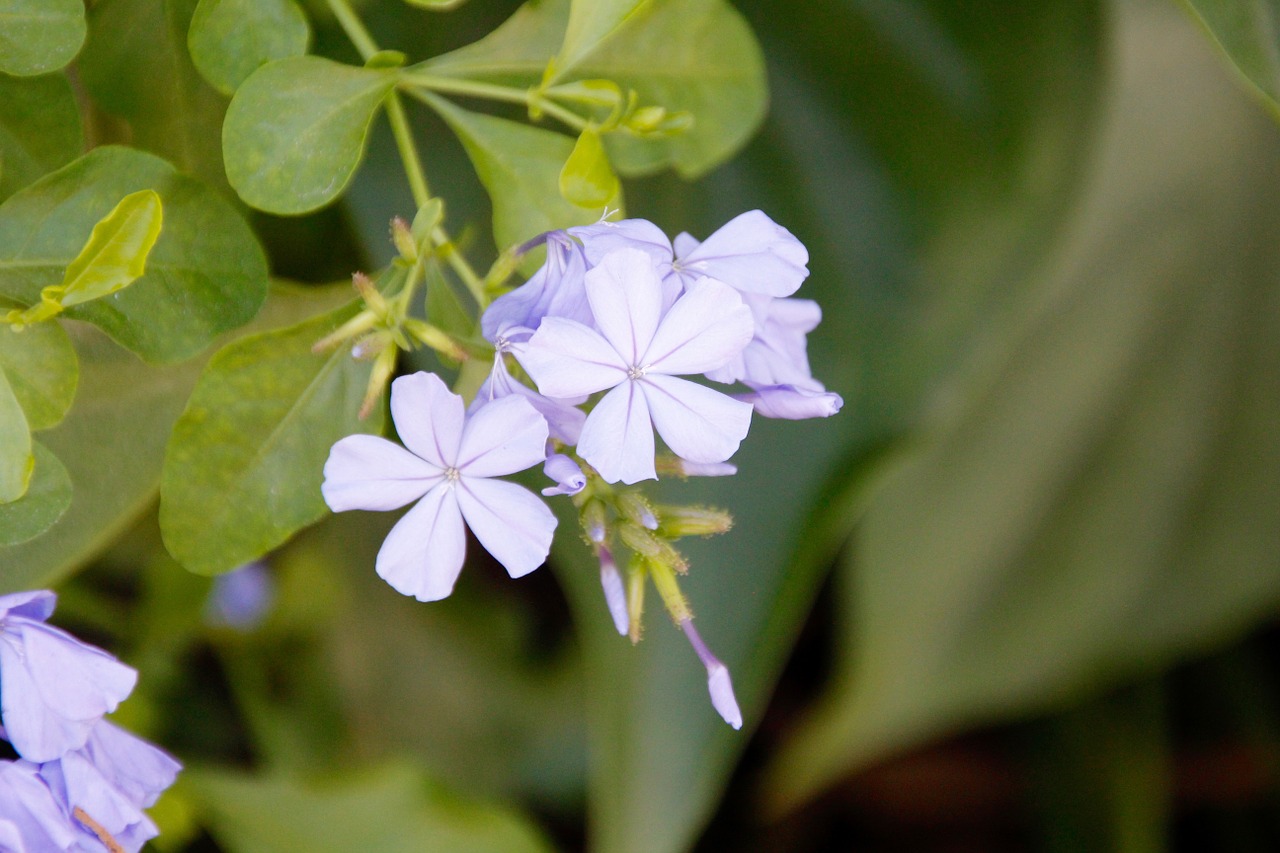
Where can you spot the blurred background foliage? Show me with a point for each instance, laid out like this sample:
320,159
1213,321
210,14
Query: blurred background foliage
1019,594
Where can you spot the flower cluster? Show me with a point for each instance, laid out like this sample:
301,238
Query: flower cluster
608,333
80,783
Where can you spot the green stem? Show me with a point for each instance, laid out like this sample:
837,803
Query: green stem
493,92
408,149
455,260
354,28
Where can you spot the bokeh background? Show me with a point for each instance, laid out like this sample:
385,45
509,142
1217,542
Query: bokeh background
1019,594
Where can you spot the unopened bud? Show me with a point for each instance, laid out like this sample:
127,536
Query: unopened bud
647,119
678,521
369,346
356,326
436,338
636,573
593,523
402,237
383,367
369,293
428,218
653,548
615,597
636,508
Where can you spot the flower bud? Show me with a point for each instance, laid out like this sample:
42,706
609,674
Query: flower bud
593,522
652,548
635,508
678,521
402,237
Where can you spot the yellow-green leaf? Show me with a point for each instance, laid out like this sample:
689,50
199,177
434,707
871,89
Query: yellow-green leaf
116,254
586,179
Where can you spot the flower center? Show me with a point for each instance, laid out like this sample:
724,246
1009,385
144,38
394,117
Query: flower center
635,371
452,475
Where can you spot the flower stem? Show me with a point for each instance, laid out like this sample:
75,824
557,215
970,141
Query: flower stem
494,92
354,28
408,149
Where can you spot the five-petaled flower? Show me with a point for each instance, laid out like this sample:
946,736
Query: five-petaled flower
447,468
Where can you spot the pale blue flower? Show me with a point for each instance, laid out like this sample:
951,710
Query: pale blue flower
53,688
447,468
719,684
30,808
750,253
792,403
638,352
777,354
241,599
568,476
554,290
564,418
615,594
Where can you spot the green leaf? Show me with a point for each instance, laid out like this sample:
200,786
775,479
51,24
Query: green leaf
1248,33
393,808
39,129
230,39
586,179
205,275
296,131
244,467
113,442
520,168
1101,495
16,455
46,500
38,36
590,23
694,56
136,66
116,254
42,369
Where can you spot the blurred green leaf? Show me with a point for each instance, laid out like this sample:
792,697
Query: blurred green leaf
1098,491
205,275
520,168
590,23
47,498
387,809
38,36
697,56
42,369
586,179
296,131
136,66
16,455
230,39
244,467
39,129
1248,33
116,254
112,443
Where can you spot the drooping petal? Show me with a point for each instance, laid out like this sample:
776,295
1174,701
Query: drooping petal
791,403
503,437
566,359
617,439
428,417
704,329
509,521
139,770
564,418
568,476
422,555
37,606
626,299
753,253
722,699
555,290
369,472
54,688
697,423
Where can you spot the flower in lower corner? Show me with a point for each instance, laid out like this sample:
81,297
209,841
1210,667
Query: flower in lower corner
446,466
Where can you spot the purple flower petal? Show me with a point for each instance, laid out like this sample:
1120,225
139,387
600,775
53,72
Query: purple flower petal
368,472
684,244
617,439
138,769
722,699
555,290
509,521
428,417
564,418
568,476
750,252
615,595
36,606
705,328
423,553
602,238
54,688
626,299
697,423
27,803
503,437
791,403
707,469
566,359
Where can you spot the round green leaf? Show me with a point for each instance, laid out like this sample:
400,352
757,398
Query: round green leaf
38,36
39,129
296,130
244,467
16,457
42,369
520,167
205,275
47,498
230,39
